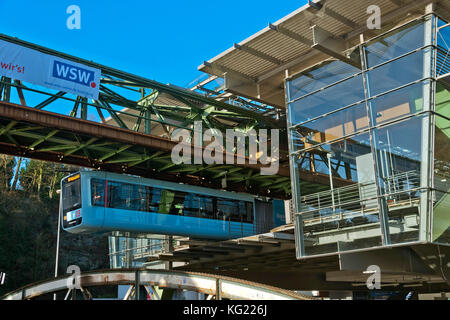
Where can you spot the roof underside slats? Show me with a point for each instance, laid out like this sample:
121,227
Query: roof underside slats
339,17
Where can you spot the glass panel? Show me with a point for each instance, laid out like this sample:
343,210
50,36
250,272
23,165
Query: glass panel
192,205
328,100
71,195
404,217
312,161
399,162
396,43
351,205
155,199
139,198
146,198
442,154
441,198
441,217
248,212
142,198
441,22
178,203
172,202
297,139
397,73
399,155
443,98
98,192
322,75
121,195
443,51
334,126
398,104
228,210
207,207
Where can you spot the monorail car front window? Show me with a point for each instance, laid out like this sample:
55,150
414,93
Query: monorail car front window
71,194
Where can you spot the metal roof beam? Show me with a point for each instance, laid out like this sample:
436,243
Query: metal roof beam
398,3
258,54
340,18
291,34
333,14
223,69
203,83
326,43
288,65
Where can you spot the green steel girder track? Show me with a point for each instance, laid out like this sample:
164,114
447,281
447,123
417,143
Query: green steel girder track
136,106
49,136
44,135
114,102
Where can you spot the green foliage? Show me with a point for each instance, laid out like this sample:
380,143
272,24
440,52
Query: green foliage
7,164
42,178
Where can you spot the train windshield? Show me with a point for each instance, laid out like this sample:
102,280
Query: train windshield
71,192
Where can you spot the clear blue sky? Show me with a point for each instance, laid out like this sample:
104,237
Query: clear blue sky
161,40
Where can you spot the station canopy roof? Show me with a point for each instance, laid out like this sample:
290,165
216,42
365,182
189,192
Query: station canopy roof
256,67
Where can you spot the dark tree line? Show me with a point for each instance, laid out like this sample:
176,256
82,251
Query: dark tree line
28,225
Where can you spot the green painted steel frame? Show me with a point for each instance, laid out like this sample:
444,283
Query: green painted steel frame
123,95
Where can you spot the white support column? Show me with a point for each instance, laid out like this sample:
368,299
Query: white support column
427,148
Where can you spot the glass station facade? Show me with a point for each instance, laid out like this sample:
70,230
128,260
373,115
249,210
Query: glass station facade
380,129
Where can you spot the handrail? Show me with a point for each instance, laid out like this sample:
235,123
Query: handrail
361,198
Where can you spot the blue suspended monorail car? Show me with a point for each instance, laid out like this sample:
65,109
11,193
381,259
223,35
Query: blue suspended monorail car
96,201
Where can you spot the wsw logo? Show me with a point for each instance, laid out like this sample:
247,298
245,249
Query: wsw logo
73,73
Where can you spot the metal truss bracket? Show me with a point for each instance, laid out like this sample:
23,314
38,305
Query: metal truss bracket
326,43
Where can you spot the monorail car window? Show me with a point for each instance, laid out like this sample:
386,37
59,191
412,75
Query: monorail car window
192,205
234,210
149,199
227,209
178,203
98,192
71,194
246,211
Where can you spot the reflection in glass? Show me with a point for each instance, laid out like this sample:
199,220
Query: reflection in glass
443,98
398,104
443,51
397,73
399,153
396,43
322,75
350,205
441,218
340,95
336,125
399,163
441,198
